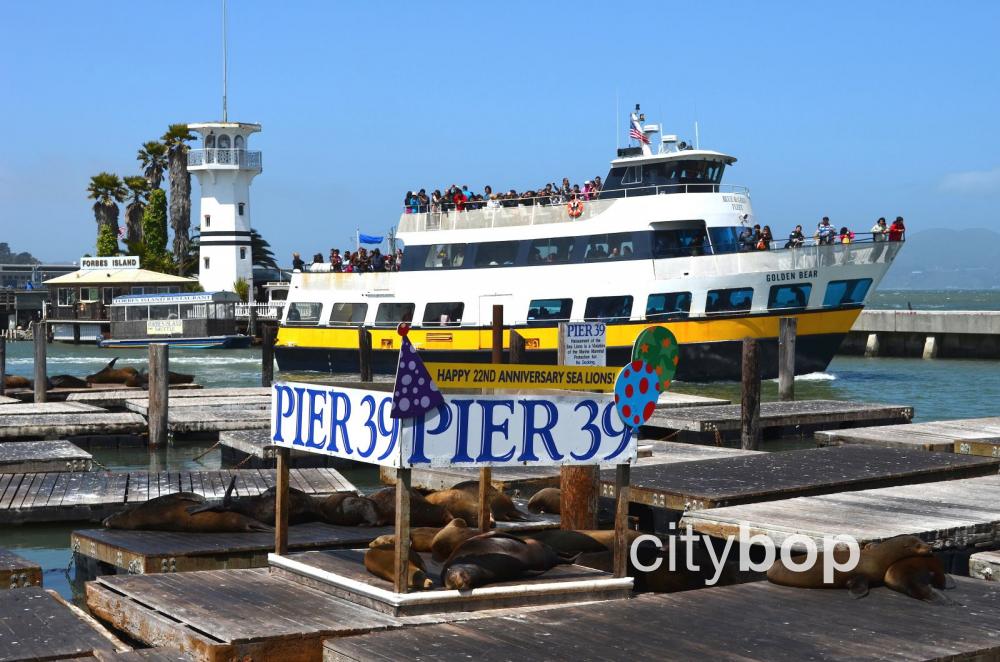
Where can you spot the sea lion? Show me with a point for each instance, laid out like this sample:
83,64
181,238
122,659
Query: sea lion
347,510
497,557
301,506
420,538
422,512
141,379
874,560
459,503
111,375
920,577
501,506
574,542
451,536
545,501
381,562
171,513
67,381
16,381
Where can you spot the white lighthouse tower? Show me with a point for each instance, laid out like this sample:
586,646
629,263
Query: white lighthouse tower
224,167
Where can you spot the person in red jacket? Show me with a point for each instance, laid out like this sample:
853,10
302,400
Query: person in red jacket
897,229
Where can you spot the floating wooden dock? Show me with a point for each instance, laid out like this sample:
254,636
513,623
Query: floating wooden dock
116,396
952,514
92,496
7,400
141,405
960,436
36,624
45,408
774,623
191,420
61,394
675,400
531,479
794,414
43,456
253,449
728,481
62,425
985,565
18,572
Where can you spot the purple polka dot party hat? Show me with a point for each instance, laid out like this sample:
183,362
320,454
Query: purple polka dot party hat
415,393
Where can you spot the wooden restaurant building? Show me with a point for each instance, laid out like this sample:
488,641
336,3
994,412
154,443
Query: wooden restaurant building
79,308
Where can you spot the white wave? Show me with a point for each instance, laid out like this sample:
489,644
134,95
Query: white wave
214,360
817,377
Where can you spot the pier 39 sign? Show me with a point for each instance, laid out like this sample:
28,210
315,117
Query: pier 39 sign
466,431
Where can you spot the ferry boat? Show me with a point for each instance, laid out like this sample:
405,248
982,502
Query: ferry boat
659,245
195,320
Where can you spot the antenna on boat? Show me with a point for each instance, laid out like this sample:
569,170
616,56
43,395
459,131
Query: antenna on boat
225,72
697,144
618,119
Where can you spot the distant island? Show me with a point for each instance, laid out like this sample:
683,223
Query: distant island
947,259
8,256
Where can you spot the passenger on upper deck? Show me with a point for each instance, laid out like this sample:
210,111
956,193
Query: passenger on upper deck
825,233
297,263
897,230
796,238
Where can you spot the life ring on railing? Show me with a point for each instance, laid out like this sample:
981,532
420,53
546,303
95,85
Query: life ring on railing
574,209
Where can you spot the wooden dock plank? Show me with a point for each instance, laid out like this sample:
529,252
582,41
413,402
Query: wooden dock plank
938,436
675,400
68,425
18,572
727,481
778,414
35,625
185,420
116,397
45,408
7,400
250,402
952,514
43,456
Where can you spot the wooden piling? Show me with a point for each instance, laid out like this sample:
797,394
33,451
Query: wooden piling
270,333
364,354
497,356
403,483
3,365
486,473
580,486
76,334
251,319
281,501
516,349
622,479
750,400
786,358
41,378
159,365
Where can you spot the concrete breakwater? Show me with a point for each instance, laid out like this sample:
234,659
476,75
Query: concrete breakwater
925,333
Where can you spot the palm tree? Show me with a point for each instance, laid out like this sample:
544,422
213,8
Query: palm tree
260,251
138,188
107,191
176,139
153,156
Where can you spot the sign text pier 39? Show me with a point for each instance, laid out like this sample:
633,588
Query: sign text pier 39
467,430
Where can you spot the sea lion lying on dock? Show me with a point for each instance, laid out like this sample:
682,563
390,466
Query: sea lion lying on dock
67,381
501,506
459,503
111,375
920,577
173,513
450,537
347,510
16,381
583,540
422,512
301,506
497,557
381,562
873,563
545,501
141,379
420,538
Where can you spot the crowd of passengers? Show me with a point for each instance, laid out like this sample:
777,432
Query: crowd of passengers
457,198
360,261
760,239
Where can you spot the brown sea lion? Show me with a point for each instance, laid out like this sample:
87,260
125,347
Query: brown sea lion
171,513
501,506
574,542
301,506
874,560
545,501
454,534
920,577
141,379
497,557
110,375
347,510
422,512
67,381
16,381
459,503
381,562
420,538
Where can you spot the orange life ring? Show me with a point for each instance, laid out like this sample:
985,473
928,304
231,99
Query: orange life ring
574,209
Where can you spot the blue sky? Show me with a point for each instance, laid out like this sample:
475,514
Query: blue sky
851,110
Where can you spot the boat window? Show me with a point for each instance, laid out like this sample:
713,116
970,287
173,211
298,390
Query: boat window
550,251
725,240
609,246
684,242
633,175
846,292
793,297
609,309
117,313
163,312
225,311
391,314
496,254
210,140
444,314
137,313
445,256
239,142
138,290
348,314
224,141
194,311
108,294
732,300
279,295
549,310
89,294
303,313
668,305
67,296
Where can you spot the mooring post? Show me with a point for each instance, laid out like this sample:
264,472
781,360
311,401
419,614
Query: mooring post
41,378
750,401
364,354
159,398
3,365
251,319
269,332
786,357
281,501
486,473
403,484
516,349
622,478
579,486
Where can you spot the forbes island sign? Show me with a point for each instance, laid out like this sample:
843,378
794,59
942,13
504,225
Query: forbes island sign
117,262
465,431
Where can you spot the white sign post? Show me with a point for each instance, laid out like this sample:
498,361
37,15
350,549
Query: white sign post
583,343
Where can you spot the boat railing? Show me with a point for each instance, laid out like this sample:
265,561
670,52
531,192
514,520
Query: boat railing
241,158
537,210
264,310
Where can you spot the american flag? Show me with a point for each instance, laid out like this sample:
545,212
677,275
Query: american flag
121,232
636,132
